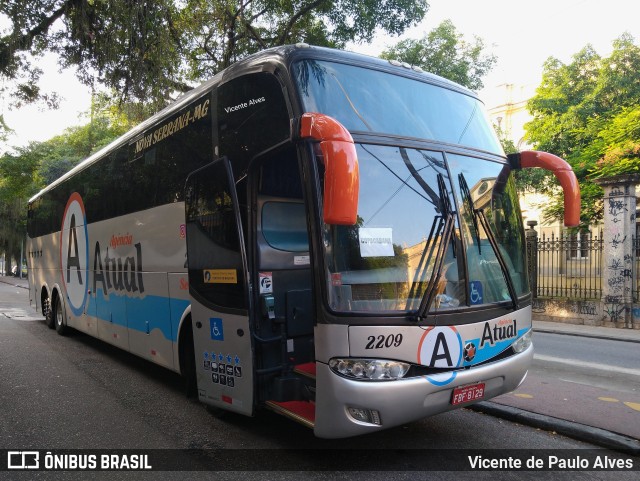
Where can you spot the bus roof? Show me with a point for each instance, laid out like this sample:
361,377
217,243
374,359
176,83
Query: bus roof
283,55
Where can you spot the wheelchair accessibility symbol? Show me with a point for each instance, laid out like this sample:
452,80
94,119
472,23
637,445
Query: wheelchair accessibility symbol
475,292
215,326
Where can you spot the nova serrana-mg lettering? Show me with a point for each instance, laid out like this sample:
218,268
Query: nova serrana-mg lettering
172,127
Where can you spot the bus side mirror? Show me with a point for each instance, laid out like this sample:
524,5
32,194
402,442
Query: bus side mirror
342,177
563,172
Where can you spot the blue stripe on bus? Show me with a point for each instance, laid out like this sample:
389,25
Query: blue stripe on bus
488,351
162,313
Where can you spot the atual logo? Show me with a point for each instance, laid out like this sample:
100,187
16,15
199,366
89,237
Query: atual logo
74,253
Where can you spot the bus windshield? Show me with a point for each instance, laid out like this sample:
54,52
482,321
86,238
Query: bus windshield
365,100
391,256
431,224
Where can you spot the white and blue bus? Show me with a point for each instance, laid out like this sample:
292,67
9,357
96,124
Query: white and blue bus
331,236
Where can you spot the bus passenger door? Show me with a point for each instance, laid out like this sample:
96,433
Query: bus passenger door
218,290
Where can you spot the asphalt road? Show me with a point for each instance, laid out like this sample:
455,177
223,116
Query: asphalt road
76,392
604,363
593,382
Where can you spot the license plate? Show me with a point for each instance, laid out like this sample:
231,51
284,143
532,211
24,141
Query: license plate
467,394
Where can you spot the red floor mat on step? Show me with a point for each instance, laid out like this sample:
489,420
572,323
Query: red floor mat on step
304,409
308,368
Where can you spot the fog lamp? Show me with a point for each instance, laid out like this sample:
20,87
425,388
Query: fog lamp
370,416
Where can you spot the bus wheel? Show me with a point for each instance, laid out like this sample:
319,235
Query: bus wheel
188,362
60,317
48,313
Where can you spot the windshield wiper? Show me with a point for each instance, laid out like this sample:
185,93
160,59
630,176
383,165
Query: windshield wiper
478,214
468,202
431,290
443,227
427,253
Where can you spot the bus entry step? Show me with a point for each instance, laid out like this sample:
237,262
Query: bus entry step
303,412
308,369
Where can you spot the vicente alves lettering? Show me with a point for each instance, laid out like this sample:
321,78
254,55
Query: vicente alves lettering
244,105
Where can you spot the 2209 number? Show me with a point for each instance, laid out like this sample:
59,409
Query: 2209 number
381,341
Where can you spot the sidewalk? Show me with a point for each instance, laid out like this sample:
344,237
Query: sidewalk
615,334
15,281
506,406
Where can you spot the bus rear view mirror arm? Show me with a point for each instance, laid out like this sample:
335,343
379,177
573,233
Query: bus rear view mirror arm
342,178
563,172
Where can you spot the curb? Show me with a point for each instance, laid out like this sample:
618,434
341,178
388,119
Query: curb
584,334
12,282
581,432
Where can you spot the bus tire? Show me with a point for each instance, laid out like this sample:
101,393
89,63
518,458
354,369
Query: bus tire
60,318
48,313
188,361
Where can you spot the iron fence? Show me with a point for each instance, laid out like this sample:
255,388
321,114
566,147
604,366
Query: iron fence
567,266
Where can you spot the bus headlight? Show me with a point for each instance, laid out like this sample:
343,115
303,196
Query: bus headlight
369,369
523,343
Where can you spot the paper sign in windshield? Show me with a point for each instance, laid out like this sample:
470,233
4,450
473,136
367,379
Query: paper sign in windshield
375,241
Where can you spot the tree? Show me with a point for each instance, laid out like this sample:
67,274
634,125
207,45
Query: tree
16,174
586,112
220,33
147,50
620,141
131,47
445,52
4,129
26,170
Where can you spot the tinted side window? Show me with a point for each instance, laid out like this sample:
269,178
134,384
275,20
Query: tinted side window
252,116
164,155
148,172
216,268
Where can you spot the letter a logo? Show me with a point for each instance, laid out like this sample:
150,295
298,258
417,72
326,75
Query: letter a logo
74,253
441,347
72,258
441,351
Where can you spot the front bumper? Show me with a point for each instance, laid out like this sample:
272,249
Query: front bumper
405,400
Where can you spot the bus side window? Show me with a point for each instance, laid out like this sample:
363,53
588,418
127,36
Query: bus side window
284,226
252,116
282,219
216,268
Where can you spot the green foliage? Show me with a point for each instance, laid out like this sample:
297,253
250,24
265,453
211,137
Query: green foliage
216,34
129,46
148,50
587,112
16,176
445,52
620,141
26,170
4,129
